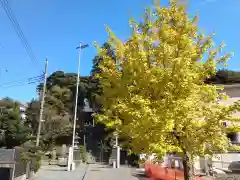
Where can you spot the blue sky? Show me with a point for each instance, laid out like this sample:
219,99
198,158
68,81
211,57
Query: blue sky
54,28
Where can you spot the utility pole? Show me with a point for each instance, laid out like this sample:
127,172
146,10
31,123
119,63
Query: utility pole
71,165
76,95
42,104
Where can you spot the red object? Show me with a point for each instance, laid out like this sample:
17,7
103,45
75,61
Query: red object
157,172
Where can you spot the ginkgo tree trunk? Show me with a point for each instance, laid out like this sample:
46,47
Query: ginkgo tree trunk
155,93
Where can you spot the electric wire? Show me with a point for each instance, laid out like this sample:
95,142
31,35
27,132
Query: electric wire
18,30
20,33
22,82
17,85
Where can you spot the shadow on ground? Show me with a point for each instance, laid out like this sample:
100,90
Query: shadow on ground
54,168
105,166
95,170
140,176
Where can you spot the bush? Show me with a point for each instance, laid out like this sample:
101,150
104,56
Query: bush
37,164
83,153
33,157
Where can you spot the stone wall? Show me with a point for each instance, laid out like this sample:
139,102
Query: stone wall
223,161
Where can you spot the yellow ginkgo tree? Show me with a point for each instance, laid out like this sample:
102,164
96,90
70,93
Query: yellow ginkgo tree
154,92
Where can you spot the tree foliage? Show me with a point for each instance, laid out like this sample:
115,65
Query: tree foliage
155,93
14,132
97,92
59,106
225,76
97,60
61,89
32,115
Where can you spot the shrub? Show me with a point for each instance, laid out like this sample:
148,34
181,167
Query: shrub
83,153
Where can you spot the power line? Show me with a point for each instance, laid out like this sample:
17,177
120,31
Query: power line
25,81
21,81
18,30
20,33
22,84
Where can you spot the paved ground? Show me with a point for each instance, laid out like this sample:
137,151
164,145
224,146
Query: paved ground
101,172
88,172
60,173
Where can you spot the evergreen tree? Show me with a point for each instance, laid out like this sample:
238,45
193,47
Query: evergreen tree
14,132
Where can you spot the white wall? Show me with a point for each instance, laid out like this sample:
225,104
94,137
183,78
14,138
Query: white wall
233,91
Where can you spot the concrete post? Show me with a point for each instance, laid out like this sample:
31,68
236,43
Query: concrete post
70,158
118,157
114,164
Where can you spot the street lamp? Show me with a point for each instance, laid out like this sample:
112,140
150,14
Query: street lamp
70,159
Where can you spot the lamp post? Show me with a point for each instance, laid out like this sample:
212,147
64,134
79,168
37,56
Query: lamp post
71,149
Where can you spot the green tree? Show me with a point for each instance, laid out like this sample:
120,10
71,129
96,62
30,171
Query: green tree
59,106
98,59
155,93
61,89
32,115
14,132
95,85
55,125
96,91
55,129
